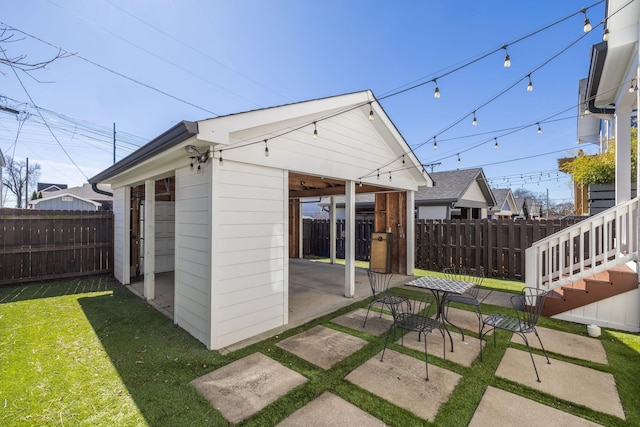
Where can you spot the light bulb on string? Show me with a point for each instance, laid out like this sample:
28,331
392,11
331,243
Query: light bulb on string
633,86
496,144
530,85
378,177
539,129
507,58
605,35
315,131
587,24
459,161
266,149
389,175
220,161
436,91
474,122
435,143
370,112
403,159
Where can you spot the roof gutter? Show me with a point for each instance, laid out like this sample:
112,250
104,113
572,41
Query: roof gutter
177,134
598,57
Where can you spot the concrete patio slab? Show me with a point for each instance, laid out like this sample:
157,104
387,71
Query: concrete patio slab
400,379
578,384
329,410
501,408
376,325
322,346
467,320
242,388
464,352
572,345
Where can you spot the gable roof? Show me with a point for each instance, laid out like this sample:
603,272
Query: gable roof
85,192
62,194
350,147
451,186
44,186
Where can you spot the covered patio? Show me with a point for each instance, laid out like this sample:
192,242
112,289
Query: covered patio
315,289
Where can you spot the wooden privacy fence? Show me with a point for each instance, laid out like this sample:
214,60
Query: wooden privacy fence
496,247
38,244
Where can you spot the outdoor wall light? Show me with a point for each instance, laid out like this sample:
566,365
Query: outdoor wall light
198,157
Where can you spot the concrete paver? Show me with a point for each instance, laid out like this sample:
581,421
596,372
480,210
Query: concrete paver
500,408
328,410
400,379
572,345
322,346
242,388
464,352
578,384
376,325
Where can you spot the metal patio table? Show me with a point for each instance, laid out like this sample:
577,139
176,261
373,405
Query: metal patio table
441,287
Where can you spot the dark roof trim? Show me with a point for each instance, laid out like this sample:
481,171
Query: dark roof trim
598,56
180,132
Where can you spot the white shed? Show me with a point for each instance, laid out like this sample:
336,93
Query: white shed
217,201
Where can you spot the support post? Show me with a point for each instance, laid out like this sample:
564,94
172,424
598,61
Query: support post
350,240
149,239
332,229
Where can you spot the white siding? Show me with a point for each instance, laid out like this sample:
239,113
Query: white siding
432,212
474,193
193,252
619,312
119,231
250,244
165,236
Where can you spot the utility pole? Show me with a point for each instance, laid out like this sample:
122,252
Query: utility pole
114,142
26,187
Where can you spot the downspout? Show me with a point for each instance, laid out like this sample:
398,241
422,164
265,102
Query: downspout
95,188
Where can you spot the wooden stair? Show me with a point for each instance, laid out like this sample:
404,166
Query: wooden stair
617,280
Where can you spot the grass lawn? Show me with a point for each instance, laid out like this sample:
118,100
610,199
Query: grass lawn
89,352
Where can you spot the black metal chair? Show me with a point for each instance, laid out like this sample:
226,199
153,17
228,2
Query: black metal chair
470,297
528,306
416,317
379,281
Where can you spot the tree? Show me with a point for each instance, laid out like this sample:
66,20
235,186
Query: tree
600,168
15,178
20,62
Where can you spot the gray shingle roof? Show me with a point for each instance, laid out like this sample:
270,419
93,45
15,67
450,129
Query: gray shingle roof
450,186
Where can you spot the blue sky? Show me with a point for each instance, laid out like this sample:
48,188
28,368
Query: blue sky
223,57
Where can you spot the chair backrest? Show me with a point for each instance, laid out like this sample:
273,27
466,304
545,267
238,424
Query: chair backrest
424,306
466,275
528,306
379,281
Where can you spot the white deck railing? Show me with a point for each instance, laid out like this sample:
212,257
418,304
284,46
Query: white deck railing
588,247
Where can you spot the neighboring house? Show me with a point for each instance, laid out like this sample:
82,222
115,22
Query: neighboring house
231,217
44,187
83,198
590,269
456,194
527,208
505,207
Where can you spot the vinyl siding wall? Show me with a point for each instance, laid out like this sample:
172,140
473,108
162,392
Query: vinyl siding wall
250,235
119,218
193,252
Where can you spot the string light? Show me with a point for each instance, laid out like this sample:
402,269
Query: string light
315,131
389,175
459,161
474,122
266,149
539,128
605,35
370,112
220,161
435,143
496,144
507,59
436,91
587,24
378,177
530,85
633,86
403,159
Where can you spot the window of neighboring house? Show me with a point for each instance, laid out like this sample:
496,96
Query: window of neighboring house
67,199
